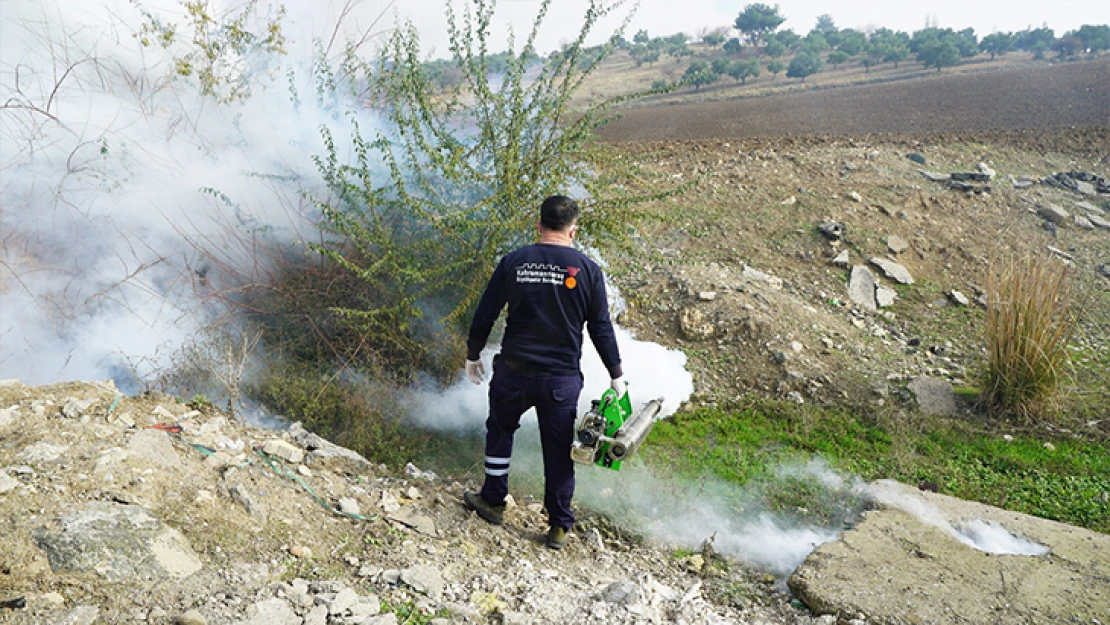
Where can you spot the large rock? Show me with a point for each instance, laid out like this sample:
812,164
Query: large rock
910,561
154,446
1053,213
1099,221
118,543
934,396
327,455
425,579
893,270
861,287
271,612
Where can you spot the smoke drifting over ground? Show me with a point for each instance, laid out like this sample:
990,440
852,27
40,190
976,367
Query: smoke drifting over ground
105,157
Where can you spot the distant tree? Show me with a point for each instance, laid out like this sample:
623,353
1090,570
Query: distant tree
700,73
825,24
661,85
775,66
679,50
757,21
715,38
867,62
1068,46
742,70
896,55
721,65
678,39
997,44
967,43
1095,39
1038,50
641,37
774,49
814,42
787,37
836,57
804,64
939,54
732,46
1027,39
852,42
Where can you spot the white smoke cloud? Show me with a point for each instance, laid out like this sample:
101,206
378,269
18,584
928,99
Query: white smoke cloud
101,201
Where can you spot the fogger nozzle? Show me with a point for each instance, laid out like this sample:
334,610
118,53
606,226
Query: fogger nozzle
635,431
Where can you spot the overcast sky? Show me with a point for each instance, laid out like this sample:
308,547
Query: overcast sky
664,17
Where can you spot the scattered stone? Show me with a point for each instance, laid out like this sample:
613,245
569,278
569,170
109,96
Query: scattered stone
326,455
790,201
709,296
240,494
1050,227
413,493
1087,206
934,396
1049,446
9,382
154,446
832,230
693,325
1022,182
1060,253
1104,270
842,259
893,270
8,415
621,593
74,408
795,397
422,524
53,598
272,612
986,171
897,244
797,346
318,615
300,552
118,542
192,617
348,505
7,483
389,503
424,579
856,197
41,452
755,274
285,451
959,298
594,541
1082,222
303,470
917,158
933,176
969,176
1085,188
165,415
885,296
1053,213
343,601
81,615
1099,222
861,287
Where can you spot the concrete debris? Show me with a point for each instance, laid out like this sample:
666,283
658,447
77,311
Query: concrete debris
424,579
155,447
709,296
348,505
621,592
861,287
885,296
285,451
419,522
42,452
74,408
7,483
934,396
897,244
842,259
893,270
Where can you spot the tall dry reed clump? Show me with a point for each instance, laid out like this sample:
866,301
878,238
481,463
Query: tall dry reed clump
1028,326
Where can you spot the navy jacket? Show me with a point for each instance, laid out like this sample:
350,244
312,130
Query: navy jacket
551,290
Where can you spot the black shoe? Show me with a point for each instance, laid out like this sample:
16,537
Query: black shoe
556,538
493,514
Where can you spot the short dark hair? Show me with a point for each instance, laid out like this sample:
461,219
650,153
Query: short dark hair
558,213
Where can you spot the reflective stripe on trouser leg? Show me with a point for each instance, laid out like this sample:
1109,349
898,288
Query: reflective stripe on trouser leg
506,405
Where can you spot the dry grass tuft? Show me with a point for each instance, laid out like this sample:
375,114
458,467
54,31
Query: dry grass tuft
1028,325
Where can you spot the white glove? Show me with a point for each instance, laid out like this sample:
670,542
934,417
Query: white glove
475,371
618,385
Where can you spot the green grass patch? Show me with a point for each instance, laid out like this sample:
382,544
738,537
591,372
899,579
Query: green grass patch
748,444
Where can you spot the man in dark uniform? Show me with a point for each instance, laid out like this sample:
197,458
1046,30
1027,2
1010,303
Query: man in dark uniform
552,290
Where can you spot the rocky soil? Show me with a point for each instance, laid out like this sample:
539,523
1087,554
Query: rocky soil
840,270
118,509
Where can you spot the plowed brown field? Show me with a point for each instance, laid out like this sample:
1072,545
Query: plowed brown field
1053,96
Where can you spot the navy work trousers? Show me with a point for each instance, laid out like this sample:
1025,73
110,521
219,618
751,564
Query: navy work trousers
555,398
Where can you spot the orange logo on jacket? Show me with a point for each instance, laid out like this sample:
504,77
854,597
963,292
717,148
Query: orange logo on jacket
571,281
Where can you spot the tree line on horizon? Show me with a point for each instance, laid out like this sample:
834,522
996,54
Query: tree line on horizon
754,43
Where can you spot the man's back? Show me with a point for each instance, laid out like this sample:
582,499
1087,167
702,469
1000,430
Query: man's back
551,291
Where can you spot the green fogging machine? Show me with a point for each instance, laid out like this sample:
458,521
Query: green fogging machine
609,433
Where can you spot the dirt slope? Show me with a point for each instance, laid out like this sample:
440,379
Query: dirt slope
1074,94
